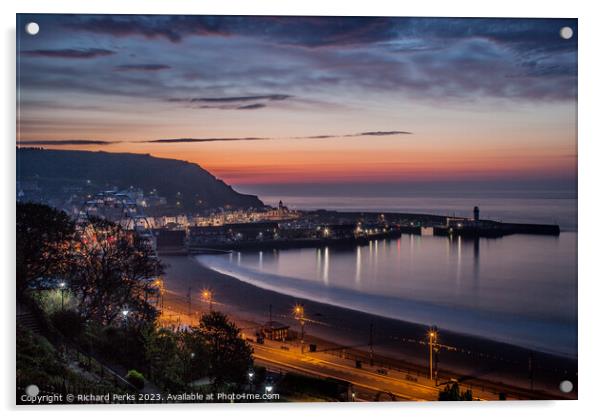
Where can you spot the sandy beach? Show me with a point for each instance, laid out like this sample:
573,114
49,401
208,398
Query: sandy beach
396,342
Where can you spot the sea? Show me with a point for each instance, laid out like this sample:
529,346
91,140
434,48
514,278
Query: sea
519,289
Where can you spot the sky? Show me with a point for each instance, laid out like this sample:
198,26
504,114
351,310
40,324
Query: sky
287,102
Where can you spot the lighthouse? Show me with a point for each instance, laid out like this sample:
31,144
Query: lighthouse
475,213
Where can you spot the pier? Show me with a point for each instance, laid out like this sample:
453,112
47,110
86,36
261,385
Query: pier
493,229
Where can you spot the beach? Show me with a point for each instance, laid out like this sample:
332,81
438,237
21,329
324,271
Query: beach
331,327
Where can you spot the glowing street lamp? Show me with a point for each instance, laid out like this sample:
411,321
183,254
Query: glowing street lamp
433,336
125,313
299,313
208,296
62,286
251,375
159,285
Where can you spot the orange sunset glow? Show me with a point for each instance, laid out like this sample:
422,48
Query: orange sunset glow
379,111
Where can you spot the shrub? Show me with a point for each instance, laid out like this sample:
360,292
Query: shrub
136,379
68,322
453,393
328,388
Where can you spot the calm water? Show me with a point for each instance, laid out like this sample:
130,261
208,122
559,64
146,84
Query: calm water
519,289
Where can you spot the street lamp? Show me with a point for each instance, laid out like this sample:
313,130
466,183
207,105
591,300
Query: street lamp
125,313
208,296
62,286
190,369
433,336
251,375
269,388
299,313
159,286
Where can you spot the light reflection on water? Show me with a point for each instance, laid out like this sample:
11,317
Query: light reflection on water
520,286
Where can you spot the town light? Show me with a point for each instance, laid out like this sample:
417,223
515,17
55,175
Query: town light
432,335
299,311
207,295
251,374
62,287
269,388
125,312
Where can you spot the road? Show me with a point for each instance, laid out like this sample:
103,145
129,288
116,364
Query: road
366,381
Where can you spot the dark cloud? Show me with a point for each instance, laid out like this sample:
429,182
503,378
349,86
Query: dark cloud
311,137
309,32
147,26
381,133
69,53
252,106
204,140
231,102
142,67
361,134
314,32
228,99
210,139
232,107
428,60
66,142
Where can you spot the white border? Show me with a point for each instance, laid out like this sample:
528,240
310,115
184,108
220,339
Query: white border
589,195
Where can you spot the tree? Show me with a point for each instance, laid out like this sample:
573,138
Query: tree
195,353
112,270
44,236
165,360
453,393
68,322
229,355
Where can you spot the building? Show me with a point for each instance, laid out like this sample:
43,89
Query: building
275,331
252,231
232,233
207,235
457,222
338,231
463,222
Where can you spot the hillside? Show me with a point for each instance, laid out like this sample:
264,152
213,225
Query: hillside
179,181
